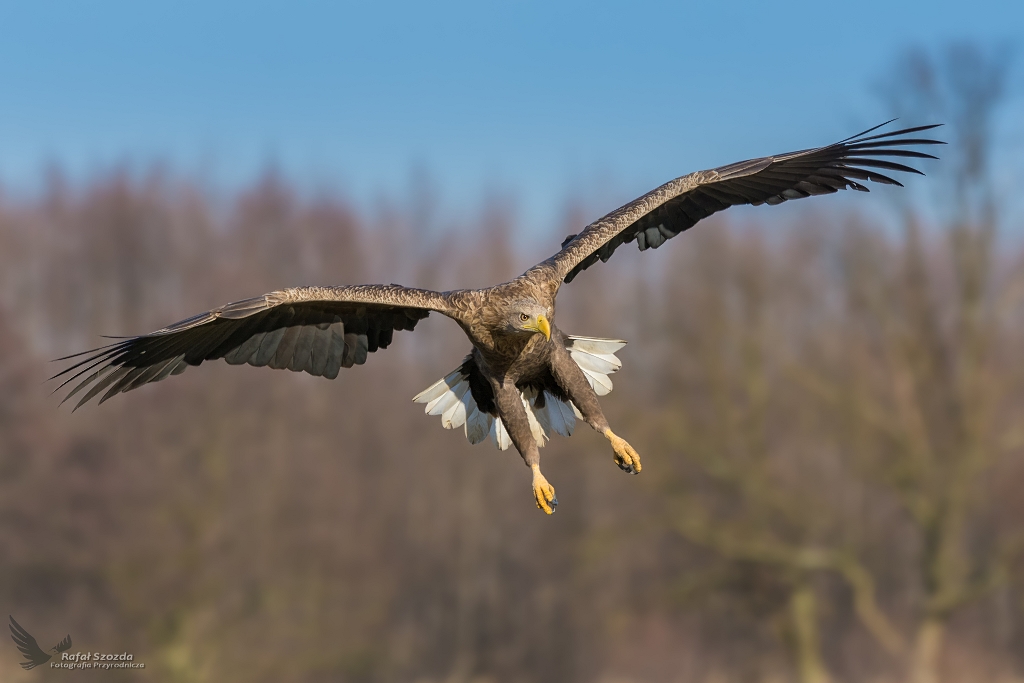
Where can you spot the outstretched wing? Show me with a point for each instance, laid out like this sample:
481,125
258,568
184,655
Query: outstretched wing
310,329
28,646
679,204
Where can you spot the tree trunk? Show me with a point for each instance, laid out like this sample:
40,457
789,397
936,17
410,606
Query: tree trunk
924,664
803,609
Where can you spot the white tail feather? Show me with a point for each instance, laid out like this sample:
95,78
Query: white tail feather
595,345
435,390
455,416
539,435
478,425
444,400
599,383
597,363
555,416
560,415
500,434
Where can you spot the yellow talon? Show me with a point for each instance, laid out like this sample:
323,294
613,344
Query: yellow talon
543,492
626,457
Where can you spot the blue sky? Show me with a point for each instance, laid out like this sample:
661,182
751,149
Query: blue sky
540,100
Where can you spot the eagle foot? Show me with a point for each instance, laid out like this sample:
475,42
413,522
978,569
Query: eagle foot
543,492
626,456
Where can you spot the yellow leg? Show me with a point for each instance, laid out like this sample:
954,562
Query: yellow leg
543,492
626,457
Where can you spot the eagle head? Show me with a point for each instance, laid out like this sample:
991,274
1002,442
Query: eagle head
528,317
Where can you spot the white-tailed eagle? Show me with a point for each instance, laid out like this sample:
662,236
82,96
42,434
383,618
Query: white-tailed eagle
523,378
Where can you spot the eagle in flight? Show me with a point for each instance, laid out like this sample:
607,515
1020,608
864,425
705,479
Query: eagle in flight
523,378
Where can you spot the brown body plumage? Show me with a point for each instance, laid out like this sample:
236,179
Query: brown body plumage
523,378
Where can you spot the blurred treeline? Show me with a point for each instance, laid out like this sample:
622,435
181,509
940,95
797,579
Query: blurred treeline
829,416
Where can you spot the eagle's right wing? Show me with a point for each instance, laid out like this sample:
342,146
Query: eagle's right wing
318,330
28,646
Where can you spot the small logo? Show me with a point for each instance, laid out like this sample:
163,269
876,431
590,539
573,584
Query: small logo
30,648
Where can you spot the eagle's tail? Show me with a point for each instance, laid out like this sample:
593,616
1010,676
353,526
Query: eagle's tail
451,397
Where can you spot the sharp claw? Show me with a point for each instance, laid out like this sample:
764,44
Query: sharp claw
626,457
543,493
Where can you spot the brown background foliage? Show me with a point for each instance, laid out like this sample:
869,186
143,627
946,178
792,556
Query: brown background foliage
829,415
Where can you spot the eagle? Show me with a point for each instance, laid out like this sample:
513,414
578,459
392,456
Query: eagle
523,378
27,645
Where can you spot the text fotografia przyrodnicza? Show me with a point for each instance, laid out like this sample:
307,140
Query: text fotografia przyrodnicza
97,660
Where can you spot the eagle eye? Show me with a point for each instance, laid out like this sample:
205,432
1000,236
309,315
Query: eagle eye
524,317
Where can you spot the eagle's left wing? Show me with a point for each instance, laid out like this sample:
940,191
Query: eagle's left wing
679,204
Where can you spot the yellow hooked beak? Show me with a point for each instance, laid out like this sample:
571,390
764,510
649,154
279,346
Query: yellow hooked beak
542,326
